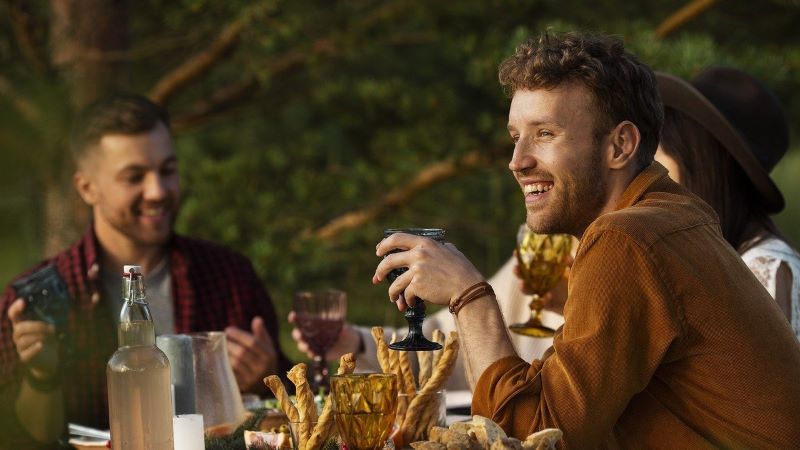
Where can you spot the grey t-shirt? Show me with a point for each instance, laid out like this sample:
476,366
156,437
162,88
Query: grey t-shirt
158,286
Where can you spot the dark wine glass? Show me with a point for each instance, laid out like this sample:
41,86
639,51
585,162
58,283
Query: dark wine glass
320,316
415,341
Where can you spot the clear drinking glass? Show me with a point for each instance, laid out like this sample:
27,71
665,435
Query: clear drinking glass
415,340
216,390
542,260
364,406
415,418
320,316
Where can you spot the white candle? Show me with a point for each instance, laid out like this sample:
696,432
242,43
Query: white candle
188,429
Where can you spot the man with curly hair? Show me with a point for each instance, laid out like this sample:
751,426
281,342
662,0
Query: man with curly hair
668,340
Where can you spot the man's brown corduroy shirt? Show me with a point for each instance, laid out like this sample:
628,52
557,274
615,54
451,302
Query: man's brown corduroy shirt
668,340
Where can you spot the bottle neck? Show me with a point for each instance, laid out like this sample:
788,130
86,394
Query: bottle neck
135,321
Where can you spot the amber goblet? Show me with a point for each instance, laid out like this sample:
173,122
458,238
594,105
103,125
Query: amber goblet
542,260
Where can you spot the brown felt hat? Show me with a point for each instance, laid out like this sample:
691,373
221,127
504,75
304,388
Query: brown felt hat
742,114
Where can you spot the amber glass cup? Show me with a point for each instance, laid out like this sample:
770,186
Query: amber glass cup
542,260
364,406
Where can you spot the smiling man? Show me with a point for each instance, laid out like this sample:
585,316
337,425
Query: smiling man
666,342
127,172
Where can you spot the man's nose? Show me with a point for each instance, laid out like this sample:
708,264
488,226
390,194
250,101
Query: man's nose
521,159
154,187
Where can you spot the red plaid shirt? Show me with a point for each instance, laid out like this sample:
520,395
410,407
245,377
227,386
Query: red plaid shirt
212,288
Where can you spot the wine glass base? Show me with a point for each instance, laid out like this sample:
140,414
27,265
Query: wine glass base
415,343
532,329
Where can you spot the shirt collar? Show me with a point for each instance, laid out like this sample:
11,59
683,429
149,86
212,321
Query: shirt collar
90,253
641,184
91,246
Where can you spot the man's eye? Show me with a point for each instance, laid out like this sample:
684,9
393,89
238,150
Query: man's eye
133,179
515,138
545,133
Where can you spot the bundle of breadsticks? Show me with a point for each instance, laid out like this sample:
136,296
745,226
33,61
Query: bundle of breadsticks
418,411
309,436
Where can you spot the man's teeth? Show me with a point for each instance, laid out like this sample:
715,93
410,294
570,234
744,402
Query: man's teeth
153,212
537,188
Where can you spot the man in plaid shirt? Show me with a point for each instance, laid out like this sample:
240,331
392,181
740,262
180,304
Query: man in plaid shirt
127,171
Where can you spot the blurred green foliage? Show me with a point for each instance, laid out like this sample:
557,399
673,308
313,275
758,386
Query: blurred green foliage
354,98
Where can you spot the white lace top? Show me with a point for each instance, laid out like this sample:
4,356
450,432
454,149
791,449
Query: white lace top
764,259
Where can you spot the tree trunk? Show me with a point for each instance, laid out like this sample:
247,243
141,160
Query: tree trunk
78,27
96,26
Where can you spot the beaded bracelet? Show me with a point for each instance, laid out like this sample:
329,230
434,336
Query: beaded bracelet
473,292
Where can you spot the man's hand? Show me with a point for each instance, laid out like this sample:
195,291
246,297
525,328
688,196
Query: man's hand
35,341
252,355
348,341
437,273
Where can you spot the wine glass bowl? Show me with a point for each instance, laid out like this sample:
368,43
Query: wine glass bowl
542,260
414,340
364,407
319,315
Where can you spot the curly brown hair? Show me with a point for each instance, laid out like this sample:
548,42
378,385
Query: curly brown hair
623,87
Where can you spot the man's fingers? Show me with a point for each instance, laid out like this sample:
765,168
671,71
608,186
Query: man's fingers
27,355
28,340
399,286
250,348
401,241
239,336
242,356
32,327
262,337
15,310
391,262
410,295
401,303
302,345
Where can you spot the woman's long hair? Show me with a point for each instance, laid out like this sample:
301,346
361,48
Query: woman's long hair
708,170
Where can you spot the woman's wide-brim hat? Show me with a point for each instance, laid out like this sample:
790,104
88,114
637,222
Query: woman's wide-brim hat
742,114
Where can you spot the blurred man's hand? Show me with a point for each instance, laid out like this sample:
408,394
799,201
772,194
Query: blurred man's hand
35,342
253,355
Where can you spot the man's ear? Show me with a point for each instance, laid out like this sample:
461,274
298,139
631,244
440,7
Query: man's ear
624,140
85,186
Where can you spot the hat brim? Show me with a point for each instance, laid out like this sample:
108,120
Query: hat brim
682,96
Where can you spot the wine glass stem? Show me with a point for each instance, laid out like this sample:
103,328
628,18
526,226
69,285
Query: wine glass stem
320,373
536,306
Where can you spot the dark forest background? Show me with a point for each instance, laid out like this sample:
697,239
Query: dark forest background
305,127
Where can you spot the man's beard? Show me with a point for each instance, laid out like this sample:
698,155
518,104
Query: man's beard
582,196
143,235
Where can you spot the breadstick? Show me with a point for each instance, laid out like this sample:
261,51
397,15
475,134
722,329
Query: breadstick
437,337
321,433
383,349
275,385
441,373
405,372
402,401
444,367
394,365
425,360
428,418
305,402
